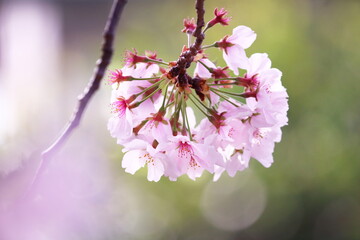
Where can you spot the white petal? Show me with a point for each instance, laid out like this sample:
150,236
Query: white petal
132,161
243,36
162,132
135,144
155,170
191,117
119,127
236,58
218,173
194,173
258,62
143,70
272,76
202,71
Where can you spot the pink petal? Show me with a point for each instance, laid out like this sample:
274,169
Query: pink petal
155,170
242,36
202,71
132,161
258,62
235,58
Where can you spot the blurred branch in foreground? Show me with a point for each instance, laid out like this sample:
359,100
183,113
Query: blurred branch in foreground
92,87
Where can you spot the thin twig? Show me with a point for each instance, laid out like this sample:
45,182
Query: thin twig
200,11
91,88
187,57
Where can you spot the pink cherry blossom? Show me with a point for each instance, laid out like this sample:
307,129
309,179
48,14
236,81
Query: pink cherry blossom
120,124
156,127
239,117
219,18
261,144
271,97
206,69
187,157
128,90
201,70
235,160
132,58
234,47
142,70
117,77
140,153
189,26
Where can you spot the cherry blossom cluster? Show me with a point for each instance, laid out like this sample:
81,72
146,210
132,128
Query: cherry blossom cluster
243,106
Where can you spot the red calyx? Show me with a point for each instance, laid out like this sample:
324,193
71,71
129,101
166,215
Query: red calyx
224,44
219,18
219,73
131,58
250,83
117,77
189,26
217,119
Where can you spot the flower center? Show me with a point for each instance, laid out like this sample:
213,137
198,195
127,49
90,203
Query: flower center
149,159
119,106
185,150
193,163
224,44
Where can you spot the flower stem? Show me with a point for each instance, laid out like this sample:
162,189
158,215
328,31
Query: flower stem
148,88
165,95
190,97
207,108
157,61
189,40
225,98
207,67
228,93
169,99
149,96
221,84
208,46
228,78
154,78
185,118
206,27
175,116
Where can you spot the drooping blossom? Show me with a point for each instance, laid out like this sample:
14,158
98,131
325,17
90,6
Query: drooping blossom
234,47
155,127
206,69
235,160
219,18
189,26
201,70
242,115
121,124
118,77
188,157
271,97
132,58
140,153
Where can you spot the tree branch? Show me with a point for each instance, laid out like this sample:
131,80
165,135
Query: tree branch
91,88
187,57
200,11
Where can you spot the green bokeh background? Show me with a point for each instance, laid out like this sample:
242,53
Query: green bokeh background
312,189
315,44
